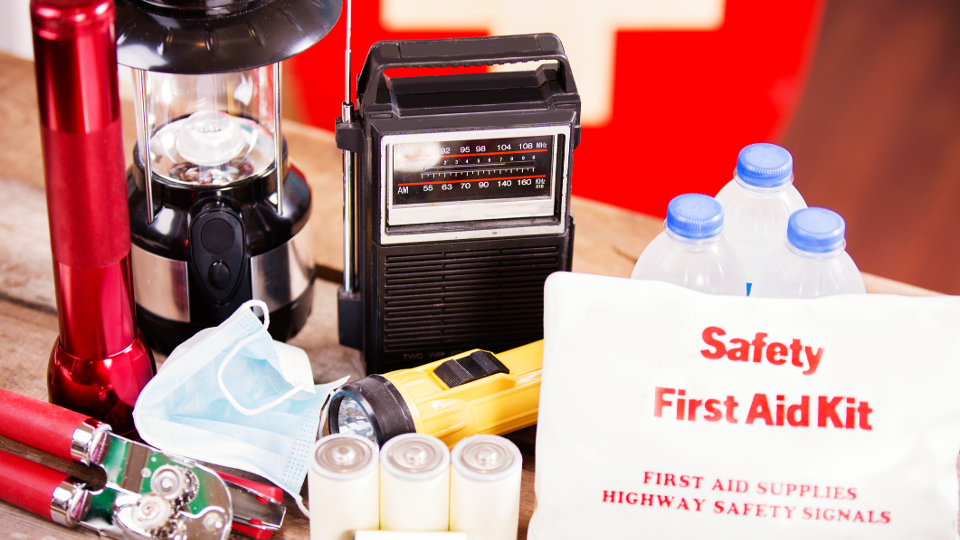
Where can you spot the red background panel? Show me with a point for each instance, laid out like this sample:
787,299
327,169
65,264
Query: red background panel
684,102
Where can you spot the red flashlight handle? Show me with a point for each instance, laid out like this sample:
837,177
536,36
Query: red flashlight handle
76,65
99,364
27,484
38,424
76,62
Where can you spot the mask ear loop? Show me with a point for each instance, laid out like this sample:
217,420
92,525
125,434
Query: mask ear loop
233,352
304,509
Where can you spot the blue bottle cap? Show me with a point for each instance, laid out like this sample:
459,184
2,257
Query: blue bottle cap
764,165
816,230
694,216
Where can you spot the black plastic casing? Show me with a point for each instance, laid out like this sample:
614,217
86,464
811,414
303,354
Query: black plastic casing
257,226
421,301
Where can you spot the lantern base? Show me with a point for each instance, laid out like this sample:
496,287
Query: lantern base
164,334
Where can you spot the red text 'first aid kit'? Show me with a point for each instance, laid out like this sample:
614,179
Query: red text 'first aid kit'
667,413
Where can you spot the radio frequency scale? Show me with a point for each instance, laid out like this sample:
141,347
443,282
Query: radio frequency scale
436,180
456,197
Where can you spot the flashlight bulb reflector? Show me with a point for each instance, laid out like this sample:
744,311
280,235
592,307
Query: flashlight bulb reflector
210,138
351,418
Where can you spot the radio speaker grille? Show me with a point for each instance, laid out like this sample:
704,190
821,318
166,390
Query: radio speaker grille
454,300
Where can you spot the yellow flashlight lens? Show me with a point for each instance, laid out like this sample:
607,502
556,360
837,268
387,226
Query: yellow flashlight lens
351,418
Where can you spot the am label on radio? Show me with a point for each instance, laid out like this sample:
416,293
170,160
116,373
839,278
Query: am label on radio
459,208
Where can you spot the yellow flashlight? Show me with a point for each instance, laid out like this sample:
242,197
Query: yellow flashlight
475,392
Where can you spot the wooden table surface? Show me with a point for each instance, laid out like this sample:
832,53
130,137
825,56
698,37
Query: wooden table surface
608,241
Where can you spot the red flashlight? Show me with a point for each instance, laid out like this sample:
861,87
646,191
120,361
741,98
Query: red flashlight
99,364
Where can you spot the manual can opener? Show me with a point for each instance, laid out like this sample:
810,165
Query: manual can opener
147,494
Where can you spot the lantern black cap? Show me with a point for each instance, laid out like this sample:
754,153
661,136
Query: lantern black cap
216,36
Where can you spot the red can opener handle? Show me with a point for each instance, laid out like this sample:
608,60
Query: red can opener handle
51,429
38,489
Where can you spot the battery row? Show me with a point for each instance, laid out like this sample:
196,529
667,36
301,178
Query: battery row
414,483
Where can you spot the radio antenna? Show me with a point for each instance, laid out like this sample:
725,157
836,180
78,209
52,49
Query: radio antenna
347,99
346,113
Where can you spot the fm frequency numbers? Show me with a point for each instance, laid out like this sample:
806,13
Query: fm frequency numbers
453,171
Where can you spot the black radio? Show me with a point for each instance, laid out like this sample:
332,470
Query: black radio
456,197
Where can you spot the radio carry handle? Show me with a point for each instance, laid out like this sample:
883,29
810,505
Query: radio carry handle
479,51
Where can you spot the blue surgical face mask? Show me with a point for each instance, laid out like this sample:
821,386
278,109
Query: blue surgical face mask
232,396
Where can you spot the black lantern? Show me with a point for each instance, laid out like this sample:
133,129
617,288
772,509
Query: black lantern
217,214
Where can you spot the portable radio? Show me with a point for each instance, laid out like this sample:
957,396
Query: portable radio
456,197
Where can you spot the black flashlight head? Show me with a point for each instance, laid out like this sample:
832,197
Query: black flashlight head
371,407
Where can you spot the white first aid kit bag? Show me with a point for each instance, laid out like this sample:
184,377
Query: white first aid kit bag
667,413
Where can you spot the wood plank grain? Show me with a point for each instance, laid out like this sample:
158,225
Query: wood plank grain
27,336
315,153
20,154
26,265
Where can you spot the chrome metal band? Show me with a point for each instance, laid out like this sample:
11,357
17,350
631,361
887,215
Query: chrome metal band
278,277
282,274
90,442
160,285
70,502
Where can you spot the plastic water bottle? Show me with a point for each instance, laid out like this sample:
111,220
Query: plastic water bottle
757,203
812,262
691,251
